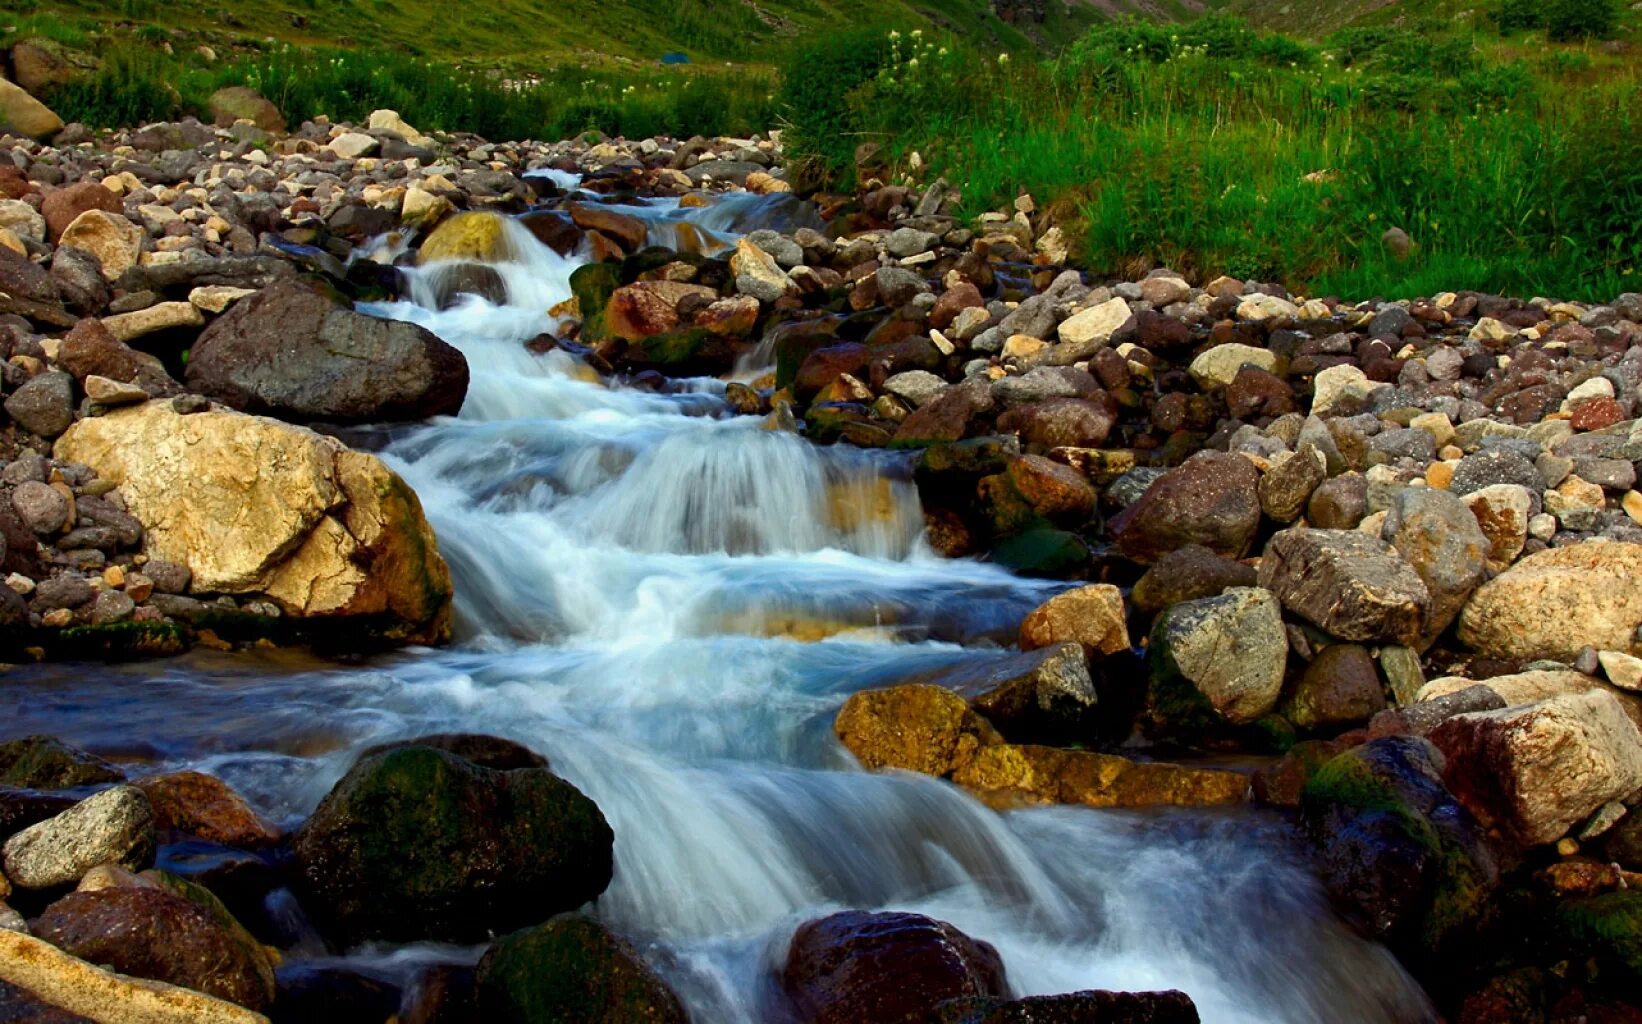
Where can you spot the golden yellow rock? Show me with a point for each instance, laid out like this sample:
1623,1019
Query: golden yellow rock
478,236
1632,504
103,996
253,505
1091,616
694,201
915,727
1440,475
1010,775
116,242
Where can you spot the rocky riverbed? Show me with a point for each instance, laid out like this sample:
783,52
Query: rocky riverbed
1363,573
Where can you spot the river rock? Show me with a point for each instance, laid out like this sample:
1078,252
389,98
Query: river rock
1533,686
1013,775
115,241
1502,512
479,236
1556,602
1086,330
1289,484
1394,848
572,969
44,762
418,843
253,505
1536,770
90,350
644,309
115,826
1037,694
757,274
1092,616
1439,536
916,727
87,993
42,508
298,351
1187,573
162,316
238,102
629,231
1218,659
25,114
949,416
353,145
63,206
1346,583
152,933
1218,366
1074,1008
1211,499
1034,490
44,405
1340,688
203,807
888,968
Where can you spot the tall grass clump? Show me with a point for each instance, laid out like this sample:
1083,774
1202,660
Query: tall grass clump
1213,148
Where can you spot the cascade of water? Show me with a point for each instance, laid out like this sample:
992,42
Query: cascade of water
636,573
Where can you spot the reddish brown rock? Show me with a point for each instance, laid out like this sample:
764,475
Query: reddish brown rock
888,968
65,204
954,300
629,232
204,807
645,309
1211,499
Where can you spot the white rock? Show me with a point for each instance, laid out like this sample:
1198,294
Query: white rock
23,220
1093,326
1219,365
1266,307
353,145
1623,670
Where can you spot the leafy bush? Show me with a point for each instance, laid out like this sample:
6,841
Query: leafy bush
1519,15
1581,19
816,81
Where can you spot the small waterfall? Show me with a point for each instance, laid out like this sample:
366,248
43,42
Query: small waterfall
671,603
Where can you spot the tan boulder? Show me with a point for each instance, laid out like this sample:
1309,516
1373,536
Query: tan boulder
915,727
253,505
1534,771
1011,775
1558,601
25,114
57,979
1091,616
115,241
1532,687
162,316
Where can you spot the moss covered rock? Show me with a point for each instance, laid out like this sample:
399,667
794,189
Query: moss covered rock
419,843
572,970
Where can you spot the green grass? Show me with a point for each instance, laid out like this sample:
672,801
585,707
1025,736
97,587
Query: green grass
1213,150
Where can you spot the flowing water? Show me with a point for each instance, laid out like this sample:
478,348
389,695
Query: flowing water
671,603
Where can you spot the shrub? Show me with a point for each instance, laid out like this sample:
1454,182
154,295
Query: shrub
816,82
1519,15
1581,19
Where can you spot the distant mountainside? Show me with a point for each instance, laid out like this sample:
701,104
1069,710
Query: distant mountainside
739,31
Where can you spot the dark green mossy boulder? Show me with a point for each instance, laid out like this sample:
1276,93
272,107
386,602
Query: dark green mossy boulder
418,843
44,762
572,970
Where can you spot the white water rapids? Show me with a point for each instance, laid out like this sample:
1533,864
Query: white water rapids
671,603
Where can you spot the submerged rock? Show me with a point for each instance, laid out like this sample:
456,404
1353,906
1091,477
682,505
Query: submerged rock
888,968
1074,1008
572,969
419,843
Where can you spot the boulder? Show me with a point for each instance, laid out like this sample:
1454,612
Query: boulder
1218,366
44,762
353,145
915,727
89,993
1218,659
1502,512
26,115
1033,491
1013,775
1211,499
114,827
116,242
152,933
630,232
44,405
241,103
1556,602
888,968
1288,485
1038,694
1087,330
480,236
1346,583
1397,852
298,351
572,969
1534,771
949,416
89,350
1339,689
253,505
1531,687
1074,1008
1438,535
1092,616
644,309
203,807
1188,573
63,206
419,843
